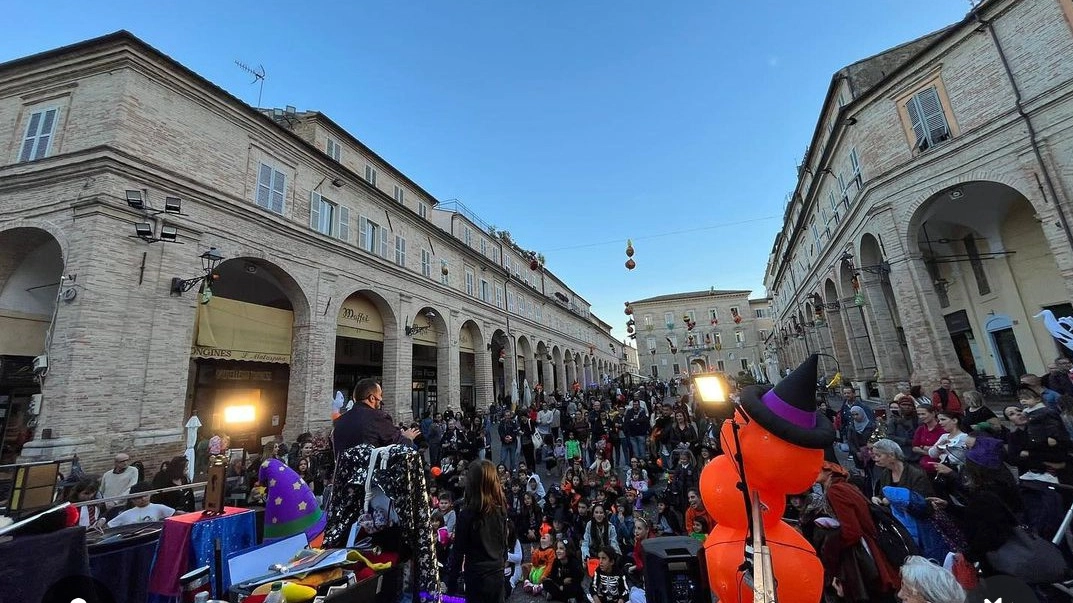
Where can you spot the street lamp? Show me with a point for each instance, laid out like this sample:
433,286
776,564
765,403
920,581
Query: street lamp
209,260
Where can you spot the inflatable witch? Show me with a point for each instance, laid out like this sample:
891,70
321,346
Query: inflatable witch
781,439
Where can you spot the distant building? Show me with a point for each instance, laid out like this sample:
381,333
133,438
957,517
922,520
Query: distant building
683,333
334,266
931,218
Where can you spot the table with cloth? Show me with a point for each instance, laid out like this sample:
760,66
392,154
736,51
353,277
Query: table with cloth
188,542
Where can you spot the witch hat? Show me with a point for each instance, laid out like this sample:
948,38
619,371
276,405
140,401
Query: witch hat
290,506
789,409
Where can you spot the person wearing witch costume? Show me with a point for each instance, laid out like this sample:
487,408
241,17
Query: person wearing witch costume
781,439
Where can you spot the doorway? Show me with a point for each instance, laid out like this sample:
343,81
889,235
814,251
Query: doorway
1009,354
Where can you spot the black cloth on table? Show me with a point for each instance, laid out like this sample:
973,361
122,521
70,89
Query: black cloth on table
46,564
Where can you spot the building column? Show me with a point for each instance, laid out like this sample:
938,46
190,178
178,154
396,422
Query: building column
886,342
448,367
839,344
864,362
483,386
319,374
933,354
510,370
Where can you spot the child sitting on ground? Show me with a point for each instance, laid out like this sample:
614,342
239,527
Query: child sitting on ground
543,559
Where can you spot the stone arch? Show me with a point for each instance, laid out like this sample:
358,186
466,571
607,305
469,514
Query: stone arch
881,310
254,295
432,385
559,369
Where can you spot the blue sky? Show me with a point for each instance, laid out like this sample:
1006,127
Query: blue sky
575,125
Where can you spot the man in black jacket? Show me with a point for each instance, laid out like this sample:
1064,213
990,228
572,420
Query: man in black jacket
366,423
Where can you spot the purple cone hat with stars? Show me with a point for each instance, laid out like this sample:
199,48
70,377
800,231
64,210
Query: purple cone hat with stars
290,506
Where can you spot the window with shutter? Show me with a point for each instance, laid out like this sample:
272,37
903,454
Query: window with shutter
314,211
383,242
400,251
927,118
370,174
426,263
322,214
372,237
422,210
271,188
334,150
38,138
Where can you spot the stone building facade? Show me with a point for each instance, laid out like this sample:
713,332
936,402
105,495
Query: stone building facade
333,266
931,219
716,330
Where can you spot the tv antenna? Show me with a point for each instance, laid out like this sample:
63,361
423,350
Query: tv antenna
258,75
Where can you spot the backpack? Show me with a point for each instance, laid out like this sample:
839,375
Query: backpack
893,539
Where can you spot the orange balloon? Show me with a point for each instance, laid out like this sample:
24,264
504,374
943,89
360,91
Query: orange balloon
798,572
724,501
775,465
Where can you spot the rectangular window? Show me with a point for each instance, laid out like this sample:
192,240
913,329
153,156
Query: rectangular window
426,263
668,318
39,133
677,369
484,247
467,236
400,251
713,315
717,339
486,291
655,371
499,296
761,312
744,364
334,150
977,265
470,290
692,314
322,214
271,188
648,320
370,174
445,273
510,302
372,237
926,117
739,336
721,366
422,210
763,334
651,342
399,194
495,255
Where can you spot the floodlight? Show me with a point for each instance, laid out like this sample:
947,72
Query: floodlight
173,205
168,233
144,230
135,199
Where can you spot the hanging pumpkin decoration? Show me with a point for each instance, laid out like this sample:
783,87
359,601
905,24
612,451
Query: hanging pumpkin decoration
734,314
629,309
443,268
714,321
629,248
534,264
630,264
629,328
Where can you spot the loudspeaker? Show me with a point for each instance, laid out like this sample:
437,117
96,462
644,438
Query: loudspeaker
673,571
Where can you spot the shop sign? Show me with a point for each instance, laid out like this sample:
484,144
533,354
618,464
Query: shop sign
238,375
200,351
352,315
424,372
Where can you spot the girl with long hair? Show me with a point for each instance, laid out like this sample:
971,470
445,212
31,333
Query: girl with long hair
480,536
564,581
173,473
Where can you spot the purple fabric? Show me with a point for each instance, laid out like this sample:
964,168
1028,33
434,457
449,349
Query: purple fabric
801,418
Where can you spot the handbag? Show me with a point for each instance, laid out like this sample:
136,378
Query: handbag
1029,557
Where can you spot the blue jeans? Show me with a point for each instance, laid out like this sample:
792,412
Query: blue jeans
638,447
508,455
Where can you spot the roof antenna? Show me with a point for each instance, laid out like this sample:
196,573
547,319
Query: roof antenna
258,74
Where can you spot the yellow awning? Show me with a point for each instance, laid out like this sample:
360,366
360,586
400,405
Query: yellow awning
233,330
359,319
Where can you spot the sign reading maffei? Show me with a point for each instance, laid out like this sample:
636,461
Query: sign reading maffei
200,351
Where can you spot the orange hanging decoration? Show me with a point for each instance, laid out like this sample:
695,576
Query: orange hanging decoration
630,264
629,248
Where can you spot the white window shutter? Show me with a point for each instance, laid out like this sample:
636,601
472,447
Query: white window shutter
264,186
916,120
279,188
31,137
343,229
314,210
383,242
45,135
363,233
934,118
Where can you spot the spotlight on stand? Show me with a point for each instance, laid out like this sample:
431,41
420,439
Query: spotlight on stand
711,394
168,234
173,205
144,230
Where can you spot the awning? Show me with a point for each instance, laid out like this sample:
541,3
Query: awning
228,329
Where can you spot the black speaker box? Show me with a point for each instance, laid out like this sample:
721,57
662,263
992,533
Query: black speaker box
673,570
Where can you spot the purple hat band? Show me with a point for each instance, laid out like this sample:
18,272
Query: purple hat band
802,418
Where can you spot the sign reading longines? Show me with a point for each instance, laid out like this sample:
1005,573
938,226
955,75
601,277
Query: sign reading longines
200,351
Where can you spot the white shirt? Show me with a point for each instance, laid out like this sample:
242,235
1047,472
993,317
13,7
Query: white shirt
148,513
